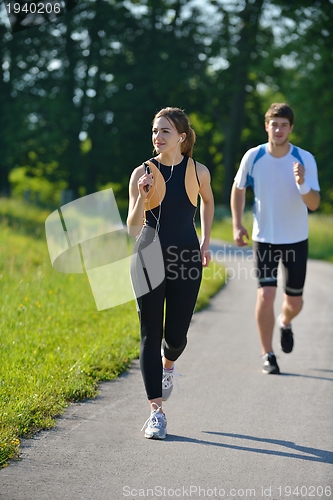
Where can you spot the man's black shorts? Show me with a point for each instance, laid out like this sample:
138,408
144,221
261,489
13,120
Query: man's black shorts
293,257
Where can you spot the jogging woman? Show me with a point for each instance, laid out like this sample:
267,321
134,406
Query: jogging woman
163,195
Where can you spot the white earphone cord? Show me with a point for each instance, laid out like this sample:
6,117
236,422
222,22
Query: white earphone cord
157,228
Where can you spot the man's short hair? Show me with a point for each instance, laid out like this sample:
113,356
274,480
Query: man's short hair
279,110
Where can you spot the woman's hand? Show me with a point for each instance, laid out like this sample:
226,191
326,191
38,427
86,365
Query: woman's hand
205,255
144,184
138,190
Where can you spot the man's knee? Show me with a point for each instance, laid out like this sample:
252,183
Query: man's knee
266,295
295,303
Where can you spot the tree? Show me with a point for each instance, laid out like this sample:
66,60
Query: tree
240,65
307,82
78,95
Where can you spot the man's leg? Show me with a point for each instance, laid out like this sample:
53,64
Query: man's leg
267,260
265,316
294,267
290,308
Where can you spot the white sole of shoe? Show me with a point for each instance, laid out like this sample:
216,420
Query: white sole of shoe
155,436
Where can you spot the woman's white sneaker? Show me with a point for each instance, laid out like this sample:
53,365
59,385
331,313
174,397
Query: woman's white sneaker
156,424
167,382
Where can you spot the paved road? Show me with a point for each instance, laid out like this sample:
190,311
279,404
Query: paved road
233,431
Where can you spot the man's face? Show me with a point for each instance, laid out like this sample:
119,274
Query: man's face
278,130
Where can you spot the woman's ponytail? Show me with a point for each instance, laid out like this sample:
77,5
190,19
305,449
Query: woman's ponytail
187,146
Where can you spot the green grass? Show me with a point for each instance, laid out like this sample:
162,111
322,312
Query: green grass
23,218
320,233
55,346
214,276
222,228
321,237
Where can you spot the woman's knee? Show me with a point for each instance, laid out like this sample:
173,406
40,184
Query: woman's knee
172,352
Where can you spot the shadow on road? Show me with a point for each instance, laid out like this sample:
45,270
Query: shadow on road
285,374
313,454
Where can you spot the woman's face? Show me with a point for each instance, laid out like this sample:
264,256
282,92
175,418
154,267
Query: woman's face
165,136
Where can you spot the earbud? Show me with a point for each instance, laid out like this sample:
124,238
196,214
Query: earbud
180,139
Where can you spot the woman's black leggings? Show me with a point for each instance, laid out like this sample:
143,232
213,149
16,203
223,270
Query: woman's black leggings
168,309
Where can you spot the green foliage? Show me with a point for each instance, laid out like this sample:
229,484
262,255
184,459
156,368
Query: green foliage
77,100
36,187
307,81
214,276
86,145
23,218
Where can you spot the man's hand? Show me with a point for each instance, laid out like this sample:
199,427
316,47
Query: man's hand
239,233
299,172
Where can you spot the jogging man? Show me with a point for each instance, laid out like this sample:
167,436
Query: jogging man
285,183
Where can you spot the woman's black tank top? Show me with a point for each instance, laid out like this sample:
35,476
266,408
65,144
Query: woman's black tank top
176,211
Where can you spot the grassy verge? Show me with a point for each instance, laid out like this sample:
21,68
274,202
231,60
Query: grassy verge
23,218
55,346
320,233
321,237
214,276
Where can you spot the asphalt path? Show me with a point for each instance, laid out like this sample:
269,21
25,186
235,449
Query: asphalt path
233,432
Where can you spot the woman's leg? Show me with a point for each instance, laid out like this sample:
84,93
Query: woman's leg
151,310
183,280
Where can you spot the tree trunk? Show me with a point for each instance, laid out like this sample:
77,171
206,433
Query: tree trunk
72,123
246,45
6,124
